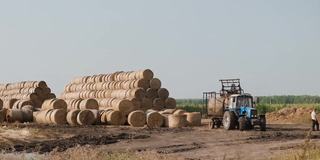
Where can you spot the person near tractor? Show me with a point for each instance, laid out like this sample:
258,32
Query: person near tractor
315,123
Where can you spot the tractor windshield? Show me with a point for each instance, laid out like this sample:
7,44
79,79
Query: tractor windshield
244,101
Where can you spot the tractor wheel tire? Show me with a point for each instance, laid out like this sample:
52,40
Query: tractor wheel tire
229,120
263,125
243,123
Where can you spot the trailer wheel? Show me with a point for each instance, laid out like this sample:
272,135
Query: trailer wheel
229,120
243,123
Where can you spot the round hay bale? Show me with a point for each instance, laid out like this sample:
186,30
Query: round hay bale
170,103
89,104
72,117
177,121
115,118
8,104
27,113
154,119
54,104
85,117
163,93
51,96
35,115
28,107
96,116
158,104
103,118
165,120
155,83
146,104
73,104
58,116
14,115
137,118
138,93
41,116
123,105
41,84
3,113
179,112
193,118
136,103
142,83
145,74
20,103
152,93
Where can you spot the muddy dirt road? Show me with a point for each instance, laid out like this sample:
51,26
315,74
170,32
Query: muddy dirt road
186,143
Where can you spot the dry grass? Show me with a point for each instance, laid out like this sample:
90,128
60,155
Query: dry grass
87,152
308,151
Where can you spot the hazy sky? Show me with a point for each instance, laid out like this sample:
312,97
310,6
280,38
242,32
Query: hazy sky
273,46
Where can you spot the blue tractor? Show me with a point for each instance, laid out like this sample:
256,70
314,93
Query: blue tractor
232,108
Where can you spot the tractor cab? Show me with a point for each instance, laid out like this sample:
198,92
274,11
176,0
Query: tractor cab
242,105
237,101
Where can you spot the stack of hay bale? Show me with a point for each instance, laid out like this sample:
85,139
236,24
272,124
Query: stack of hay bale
177,118
19,100
53,111
121,93
82,111
36,92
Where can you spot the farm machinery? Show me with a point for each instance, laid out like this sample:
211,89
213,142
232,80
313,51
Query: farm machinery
232,108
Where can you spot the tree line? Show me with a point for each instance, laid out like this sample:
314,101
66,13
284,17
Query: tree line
289,99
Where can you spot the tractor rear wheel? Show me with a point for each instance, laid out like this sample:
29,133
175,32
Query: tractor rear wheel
229,120
243,123
263,122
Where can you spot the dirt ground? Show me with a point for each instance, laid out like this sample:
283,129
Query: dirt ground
32,141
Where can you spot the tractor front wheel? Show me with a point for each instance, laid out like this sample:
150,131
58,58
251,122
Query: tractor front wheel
243,123
229,120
